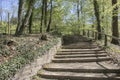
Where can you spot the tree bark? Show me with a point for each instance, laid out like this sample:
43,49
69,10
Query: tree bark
1,16
42,16
115,31
82,16
20,10
96,10
78,10
78,15
1,20
45,16
50,19
8,23
103,17
30,22
27,17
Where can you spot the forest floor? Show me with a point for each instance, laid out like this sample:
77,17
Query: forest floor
11,46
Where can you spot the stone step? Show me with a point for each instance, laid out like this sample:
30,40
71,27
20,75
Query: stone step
81,60
100,67
74,53
77,76
83,70
44,79
80,55
79,50
78,47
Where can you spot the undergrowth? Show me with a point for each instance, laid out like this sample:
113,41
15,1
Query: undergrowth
27,54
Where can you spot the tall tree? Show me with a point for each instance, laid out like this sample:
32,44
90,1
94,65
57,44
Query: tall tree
103,17
50,19
26,19
45,16
96,10
42,16
20,11
78,10
30,22
115,31
78,14
82,16
1,15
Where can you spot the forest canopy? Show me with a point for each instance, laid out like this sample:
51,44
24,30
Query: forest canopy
61,16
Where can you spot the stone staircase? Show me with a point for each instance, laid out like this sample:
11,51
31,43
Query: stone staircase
80,64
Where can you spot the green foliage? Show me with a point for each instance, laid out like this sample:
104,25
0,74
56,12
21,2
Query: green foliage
26,56
64,16
4,28
35,77
4,51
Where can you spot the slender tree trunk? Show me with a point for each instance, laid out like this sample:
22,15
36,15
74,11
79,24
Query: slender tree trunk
30,22
115,31
78,10
96,9
20,10
42,16
27,17
84,23
103,17
8,23
82,16
45,16
78,14
93,31
50,19
1,20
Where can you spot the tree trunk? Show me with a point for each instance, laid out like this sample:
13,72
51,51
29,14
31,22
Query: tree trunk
78,15
82,16
78,10
27,17
8,23
45,16
50,19
115,31
1,21
20,10
42,16
103,17
30,22
96,10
